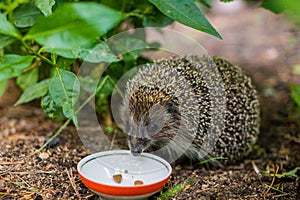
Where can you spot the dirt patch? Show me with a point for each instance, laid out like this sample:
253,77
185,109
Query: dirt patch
265,45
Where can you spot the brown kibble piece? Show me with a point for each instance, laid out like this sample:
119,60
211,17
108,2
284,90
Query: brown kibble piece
138,182
117,178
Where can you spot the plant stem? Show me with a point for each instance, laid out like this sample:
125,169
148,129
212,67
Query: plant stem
134,14
92,95
118,89
43,58
52,137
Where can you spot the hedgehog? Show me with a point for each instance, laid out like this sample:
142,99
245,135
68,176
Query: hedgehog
199,106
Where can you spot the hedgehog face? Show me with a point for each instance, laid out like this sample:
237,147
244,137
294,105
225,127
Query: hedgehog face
149,129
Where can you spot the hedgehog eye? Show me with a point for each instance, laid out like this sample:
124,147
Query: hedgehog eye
151,128
170,107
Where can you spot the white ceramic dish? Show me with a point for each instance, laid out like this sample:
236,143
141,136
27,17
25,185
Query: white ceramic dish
97,170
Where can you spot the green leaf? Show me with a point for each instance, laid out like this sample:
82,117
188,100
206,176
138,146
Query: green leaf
116,70
156,19
130,48
107,88
172,191
206,3
273,6
45,6
69,112
64,89
116,4
3,86
99,53
33,92
128,45
88,83
290,7
28,79
65,63
289,174
102,103
296,69
7,28
13,65
226,1
295,94
51,109
187,13
6,40
74,25
26,15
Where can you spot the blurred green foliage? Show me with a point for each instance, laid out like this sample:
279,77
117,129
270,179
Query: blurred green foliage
291,8
43,43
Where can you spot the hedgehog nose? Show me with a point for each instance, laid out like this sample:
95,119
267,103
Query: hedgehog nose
136,152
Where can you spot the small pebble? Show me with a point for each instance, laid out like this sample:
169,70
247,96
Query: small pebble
1,184
187,188
198,191
44,155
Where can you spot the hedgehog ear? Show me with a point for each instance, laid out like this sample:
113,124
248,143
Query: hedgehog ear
171,107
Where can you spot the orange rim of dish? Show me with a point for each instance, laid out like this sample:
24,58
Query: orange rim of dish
123,190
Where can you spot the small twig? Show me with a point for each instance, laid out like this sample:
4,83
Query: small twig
280,195
9,170
24,182
73,184
4,178
52,137
292,138
89,196
25,185
45,59
276,189
33,65
255,168
12,162
273,180
34,172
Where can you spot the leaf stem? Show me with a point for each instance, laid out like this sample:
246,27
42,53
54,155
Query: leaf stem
45,59
114,83
61,81
33,65
92,95
134,14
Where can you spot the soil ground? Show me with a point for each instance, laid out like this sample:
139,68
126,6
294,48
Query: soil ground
265,45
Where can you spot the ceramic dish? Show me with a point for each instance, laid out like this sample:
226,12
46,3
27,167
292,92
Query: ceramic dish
97,172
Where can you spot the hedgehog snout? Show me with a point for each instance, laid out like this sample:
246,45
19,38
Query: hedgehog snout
138,144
